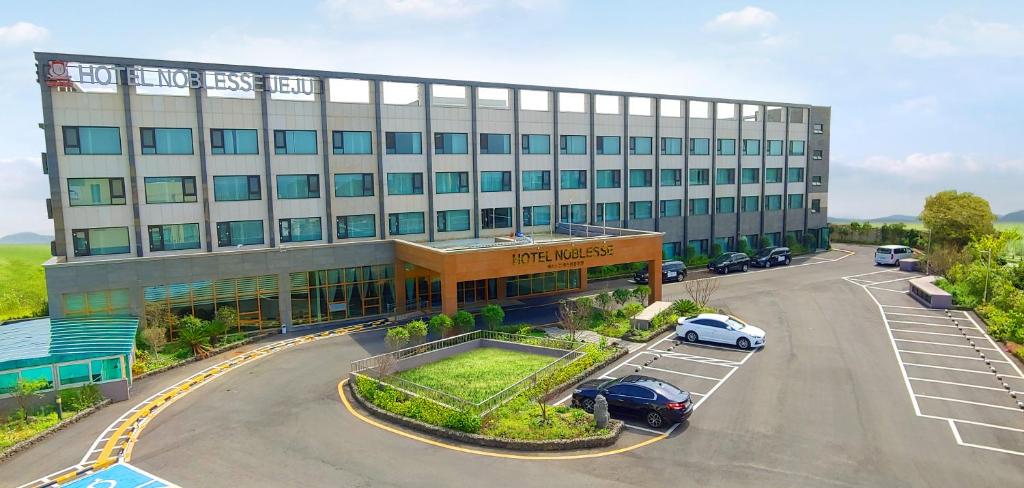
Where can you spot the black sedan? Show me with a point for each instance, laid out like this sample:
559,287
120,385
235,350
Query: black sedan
730,261
657,402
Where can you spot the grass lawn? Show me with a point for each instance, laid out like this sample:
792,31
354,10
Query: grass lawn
22,283
477,374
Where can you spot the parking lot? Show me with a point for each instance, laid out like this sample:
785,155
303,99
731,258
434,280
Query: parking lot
953,371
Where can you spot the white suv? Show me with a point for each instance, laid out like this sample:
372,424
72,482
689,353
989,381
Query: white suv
892,254
713,327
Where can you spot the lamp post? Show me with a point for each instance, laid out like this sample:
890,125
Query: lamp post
60,408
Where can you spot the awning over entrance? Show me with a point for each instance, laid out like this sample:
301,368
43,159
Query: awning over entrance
579,247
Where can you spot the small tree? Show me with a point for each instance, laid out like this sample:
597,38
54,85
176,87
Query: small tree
383,364
464,321
545,391
716,250
158,314
155,337
586,306
701,291
603,300
622,295
441,324
397,338
215,329
766,242
570,316
744,247
228,316
25,391
493,316
641,293
417,330
193,334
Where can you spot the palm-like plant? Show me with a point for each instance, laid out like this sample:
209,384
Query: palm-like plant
193,334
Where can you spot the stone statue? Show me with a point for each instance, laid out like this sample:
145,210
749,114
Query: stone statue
601,412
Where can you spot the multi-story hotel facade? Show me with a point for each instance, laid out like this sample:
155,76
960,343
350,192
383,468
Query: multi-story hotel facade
304,196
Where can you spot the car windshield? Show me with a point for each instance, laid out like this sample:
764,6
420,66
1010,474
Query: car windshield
669,391
883,250
764,253
736,324
722,258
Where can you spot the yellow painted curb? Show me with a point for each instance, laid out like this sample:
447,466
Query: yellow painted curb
564,457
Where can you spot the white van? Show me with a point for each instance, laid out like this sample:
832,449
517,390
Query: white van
892,254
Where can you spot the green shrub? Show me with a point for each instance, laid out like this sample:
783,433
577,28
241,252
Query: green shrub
193,335
641,293
622,295
493,316
464,321
80,398
415,407
716,249
417,331
631,309
441,324
397,338
685,308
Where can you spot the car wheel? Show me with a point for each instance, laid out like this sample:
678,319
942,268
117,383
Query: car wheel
587,405
746,267
654,419
743,343
768,264
725,270
788,260
691,336
897,263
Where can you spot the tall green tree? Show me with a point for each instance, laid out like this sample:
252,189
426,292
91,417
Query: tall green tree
956,218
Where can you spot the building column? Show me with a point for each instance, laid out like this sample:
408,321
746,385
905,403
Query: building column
284,299
654,280
449,293
502,287
583,278
400,297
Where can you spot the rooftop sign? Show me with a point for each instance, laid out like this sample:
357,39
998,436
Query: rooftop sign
66,74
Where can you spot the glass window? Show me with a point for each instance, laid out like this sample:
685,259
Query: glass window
42,373
8,382
774,148
537,215
726,147
795,175
91,140
796,148
496,218
536,144
236,188
100,241
239,233
170,189
495,144
816,180
725,205
451,182
577,212
73,374
640,145
671,177
536,180
700,147
173,237
671,145
353,185
795,201
294,142
816,154
491,181
83,192
815,205
298,186
351,142
640,210
671,250
751,147
352,226
608,145
607,212
698,206
300,229
405,223
750,175
165,140
773,202
671,208
640,178
700,177
405,183
749,204
819,128
725,176
572,144
451,143
452,220
698,246
572,179
233,141
773,175
402,143
106,370
609,178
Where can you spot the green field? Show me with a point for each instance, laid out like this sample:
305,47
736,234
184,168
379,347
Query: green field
478,374
918,225
22,283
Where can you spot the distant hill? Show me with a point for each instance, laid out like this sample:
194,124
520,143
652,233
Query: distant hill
1017,216
881,220
26,238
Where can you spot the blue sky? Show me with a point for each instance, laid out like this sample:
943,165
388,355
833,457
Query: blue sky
925,96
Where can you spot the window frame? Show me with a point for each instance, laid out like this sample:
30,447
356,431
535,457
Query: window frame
632,145
263,235
347,235
368,184
219,132
281,143
76,129
112,187
162,245
664,146
155,147
185,193
338,142
312,186
253,187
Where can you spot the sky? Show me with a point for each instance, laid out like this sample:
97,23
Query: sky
925,95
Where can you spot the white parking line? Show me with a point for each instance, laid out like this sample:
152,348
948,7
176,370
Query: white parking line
645,429
874,283
938,334
652,368
944,344
920,323
725,363
869,274
905,307
968,385
886,289
987,373
920,315
957,400
970,358
990,341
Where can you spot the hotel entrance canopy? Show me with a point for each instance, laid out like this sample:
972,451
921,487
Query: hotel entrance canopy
569,247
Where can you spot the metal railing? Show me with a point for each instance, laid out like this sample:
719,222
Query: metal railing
368,366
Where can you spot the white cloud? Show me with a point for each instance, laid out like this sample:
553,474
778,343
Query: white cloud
20,32
959,35
746,18
931,166
429,9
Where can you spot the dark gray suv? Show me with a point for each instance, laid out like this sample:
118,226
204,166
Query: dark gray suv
771,256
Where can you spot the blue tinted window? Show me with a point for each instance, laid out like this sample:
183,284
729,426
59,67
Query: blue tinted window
726,147
608,145
576,212
699,177
671,208
236,188
751,147
294,142
796,175
233,141
773,175
405,223
671,177
773,202
491,181
698,246
749,175
496,218
452,220
405,183
352,226
671,145
298,186
239,233
537,215
774,148
698,206
571,179
92,140
95,191
608,178
495,144
725,205
352,142
536,180
641,210
170,189
166,140
403,143
572,144
173,237
700,146
749,204
353,185
640,145
796,148
640,178
725,176
796,201
300,230
451,143
536,144
608,212
451,182
102,241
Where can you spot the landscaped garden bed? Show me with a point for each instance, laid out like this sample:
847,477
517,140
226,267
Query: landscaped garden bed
610,314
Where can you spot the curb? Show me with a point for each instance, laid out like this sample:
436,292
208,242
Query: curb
31,441
616,426
209,354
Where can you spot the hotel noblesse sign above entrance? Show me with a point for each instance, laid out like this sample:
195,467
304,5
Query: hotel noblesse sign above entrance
66,74
565,257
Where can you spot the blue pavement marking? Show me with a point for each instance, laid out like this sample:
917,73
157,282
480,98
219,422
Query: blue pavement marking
120,475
